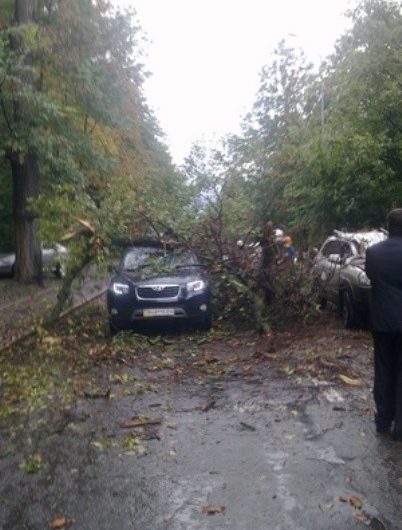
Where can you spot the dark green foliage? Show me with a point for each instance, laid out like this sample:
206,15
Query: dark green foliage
318,151
315,164
295,297
98,147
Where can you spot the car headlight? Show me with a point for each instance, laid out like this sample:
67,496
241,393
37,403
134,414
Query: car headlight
363,280
196,286
120,288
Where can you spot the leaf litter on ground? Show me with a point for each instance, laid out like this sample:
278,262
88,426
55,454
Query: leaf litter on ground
209,509
140,421
61,522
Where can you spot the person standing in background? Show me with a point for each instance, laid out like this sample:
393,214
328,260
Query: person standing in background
290,249
384,269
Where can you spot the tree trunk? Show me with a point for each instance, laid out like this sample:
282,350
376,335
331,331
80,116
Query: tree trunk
28,266
25,175
24,11
267,263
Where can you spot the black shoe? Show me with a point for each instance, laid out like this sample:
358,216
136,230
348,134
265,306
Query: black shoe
383,427
397,435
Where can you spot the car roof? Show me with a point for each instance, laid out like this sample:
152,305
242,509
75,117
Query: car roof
366,238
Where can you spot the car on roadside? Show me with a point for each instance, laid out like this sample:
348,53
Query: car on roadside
53,261
163,286
339,268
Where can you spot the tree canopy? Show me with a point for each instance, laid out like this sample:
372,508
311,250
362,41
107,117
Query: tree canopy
321,149
98,149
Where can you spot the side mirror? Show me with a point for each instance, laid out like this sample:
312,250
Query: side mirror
111,269
335,258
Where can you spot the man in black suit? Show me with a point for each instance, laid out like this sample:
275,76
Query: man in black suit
384,269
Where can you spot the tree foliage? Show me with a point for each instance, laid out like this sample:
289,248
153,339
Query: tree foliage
322,150
319,149
100,152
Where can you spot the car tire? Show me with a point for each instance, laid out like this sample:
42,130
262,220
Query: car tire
322,302
112,329
348,311
59,271
318,294
205,323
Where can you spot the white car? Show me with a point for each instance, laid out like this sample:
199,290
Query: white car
53,260
340,271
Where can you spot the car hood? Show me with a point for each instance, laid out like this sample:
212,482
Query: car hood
181,276
358,262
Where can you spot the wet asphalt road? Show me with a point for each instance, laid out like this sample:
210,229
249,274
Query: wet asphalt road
278,454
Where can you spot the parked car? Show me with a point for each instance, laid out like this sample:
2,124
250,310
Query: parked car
340,271
53,260
166,287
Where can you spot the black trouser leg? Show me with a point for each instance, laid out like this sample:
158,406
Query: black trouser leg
398,392
385,378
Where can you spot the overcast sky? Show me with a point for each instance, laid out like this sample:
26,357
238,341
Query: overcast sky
206,55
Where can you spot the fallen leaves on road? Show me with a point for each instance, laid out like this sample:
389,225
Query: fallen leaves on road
212,510
361,516
287,370
161,363
61,522
209,358
353,500
97,393
134,446
140,421
247,427
106,443
51,341
264,356
32,463
289,436
207,405
349,381
326,507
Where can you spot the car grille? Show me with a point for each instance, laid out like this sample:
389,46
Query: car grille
152,292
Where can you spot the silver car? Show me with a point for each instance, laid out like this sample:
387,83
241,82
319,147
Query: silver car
340,271
53,260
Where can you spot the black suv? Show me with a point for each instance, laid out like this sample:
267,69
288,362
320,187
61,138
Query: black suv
152,285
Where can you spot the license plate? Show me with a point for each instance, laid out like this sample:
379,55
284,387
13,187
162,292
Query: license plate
159,312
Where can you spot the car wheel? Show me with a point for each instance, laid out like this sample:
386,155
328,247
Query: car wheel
318,293
322,302
112,329
205,324
348,311
59,271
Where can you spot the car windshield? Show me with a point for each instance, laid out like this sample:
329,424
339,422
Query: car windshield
136,257
177,260
362,240
159,262
365,240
